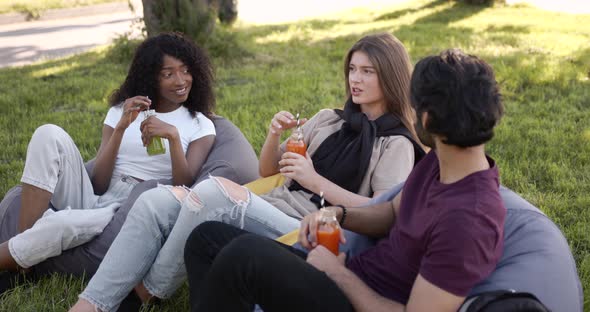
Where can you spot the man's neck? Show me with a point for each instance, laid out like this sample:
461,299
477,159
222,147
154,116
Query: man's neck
456,163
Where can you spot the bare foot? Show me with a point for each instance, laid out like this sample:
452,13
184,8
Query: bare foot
84,306
143,293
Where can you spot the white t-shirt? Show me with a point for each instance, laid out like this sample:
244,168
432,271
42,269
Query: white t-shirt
133,159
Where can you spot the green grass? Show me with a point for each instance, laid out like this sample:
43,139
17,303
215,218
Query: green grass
34,7
541,59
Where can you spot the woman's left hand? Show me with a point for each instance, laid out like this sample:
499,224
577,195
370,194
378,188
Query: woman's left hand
298,168
155,127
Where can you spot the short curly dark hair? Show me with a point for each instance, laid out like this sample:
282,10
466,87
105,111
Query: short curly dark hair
461,96
142,78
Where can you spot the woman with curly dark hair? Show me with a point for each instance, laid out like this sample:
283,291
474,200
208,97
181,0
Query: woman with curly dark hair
157,128
145,72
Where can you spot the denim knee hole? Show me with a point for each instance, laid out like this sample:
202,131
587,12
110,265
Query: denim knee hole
179,192
239,208
192,201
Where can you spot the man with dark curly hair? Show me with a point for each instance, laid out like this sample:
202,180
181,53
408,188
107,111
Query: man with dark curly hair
439,240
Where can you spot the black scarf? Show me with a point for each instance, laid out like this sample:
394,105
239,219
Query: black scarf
344,156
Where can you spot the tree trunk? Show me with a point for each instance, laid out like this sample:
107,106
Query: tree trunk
227,10
152,21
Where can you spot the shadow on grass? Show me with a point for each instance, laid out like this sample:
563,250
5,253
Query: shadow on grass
450,14
582,59
509,29
399,13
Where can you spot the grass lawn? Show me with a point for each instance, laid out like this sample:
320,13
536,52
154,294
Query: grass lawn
33,6
541,59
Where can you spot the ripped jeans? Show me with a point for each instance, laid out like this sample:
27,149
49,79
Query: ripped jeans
150,246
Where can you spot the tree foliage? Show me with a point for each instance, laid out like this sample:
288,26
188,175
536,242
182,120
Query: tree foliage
196,18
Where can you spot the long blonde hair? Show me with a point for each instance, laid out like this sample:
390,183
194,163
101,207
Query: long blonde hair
394,69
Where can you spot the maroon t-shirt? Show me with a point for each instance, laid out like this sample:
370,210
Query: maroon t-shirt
451,234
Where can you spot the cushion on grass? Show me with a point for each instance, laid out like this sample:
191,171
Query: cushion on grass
536,258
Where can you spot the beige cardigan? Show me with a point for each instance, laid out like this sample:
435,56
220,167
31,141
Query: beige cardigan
391,163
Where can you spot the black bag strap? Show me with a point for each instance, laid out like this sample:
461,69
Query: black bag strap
504,301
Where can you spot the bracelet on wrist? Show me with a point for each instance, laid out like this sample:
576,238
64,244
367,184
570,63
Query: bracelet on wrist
343,217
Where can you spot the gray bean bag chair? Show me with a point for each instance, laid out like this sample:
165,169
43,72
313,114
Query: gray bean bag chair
231,157
536,259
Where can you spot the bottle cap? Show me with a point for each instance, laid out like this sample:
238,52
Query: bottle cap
149,112
328,217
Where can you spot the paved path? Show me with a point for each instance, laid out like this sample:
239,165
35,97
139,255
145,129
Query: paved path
26,42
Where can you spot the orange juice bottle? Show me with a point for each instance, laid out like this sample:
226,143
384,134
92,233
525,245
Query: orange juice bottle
296,143
329,231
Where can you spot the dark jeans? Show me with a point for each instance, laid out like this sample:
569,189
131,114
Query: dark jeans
232,270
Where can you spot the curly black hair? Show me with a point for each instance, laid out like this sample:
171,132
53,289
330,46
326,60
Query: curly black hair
142,78
461,96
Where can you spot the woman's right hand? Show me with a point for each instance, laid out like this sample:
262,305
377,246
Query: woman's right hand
282,121
131,109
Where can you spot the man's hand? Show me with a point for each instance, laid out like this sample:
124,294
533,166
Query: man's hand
309,228
325,261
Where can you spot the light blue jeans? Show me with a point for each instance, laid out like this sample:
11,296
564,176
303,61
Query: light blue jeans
54,164
150,246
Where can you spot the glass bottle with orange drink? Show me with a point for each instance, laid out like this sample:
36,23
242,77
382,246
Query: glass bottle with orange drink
296,143
328,234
